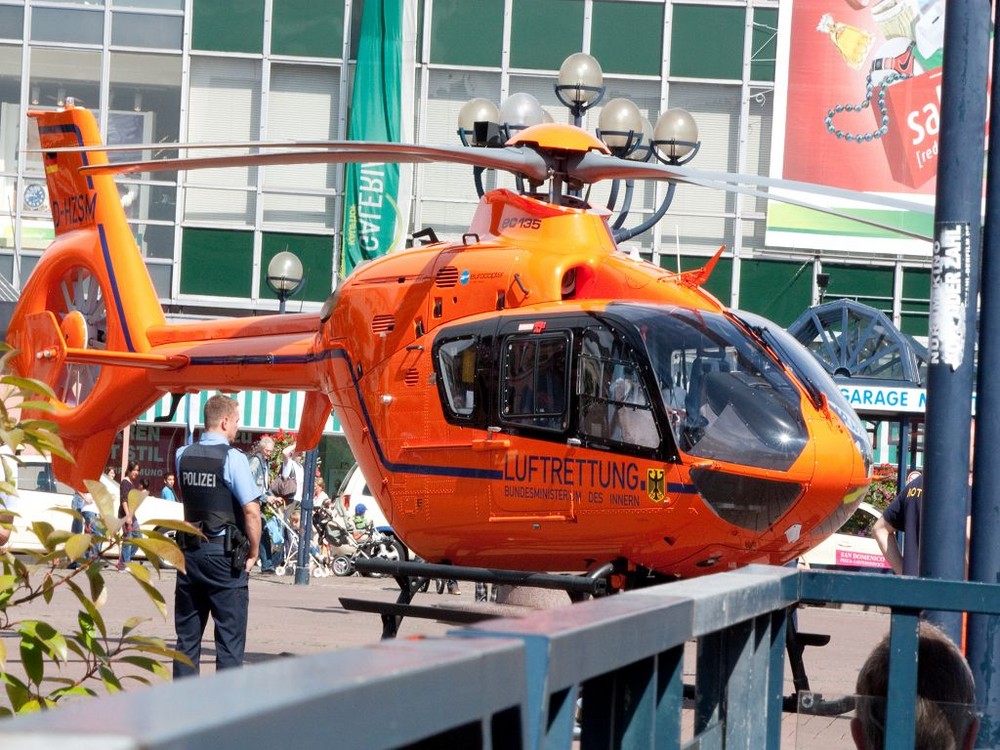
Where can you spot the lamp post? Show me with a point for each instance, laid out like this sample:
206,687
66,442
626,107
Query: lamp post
285,276
622,127
674,142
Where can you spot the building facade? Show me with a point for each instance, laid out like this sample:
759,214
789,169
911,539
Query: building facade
275,70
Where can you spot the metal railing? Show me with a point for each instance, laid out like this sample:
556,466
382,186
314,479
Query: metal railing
515,683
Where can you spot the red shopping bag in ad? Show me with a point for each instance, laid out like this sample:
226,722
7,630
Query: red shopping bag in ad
913,107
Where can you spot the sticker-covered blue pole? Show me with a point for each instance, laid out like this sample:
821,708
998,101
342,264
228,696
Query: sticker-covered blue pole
983,644
954,291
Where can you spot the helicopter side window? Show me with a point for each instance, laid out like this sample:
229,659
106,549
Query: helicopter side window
534,381
612,399
457,363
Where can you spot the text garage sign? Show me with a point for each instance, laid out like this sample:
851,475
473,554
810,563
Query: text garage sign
868,398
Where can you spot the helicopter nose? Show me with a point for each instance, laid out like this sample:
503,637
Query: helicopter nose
761,500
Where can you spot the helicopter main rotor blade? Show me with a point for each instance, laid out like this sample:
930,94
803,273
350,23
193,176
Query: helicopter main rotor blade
520,161
593,167
586,167
839,213
192,146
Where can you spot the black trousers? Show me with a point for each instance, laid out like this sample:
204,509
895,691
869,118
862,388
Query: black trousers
209,587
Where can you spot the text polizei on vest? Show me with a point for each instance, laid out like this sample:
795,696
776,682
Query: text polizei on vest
199,478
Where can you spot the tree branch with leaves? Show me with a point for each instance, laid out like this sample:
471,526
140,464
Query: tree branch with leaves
69,564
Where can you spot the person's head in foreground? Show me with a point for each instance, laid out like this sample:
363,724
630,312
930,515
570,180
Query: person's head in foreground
945,707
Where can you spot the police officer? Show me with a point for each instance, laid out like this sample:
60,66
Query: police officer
221,498
902,514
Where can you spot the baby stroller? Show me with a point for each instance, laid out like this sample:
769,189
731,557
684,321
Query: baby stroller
361,540
318,564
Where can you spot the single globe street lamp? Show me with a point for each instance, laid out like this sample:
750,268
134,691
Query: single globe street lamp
285,276
581,84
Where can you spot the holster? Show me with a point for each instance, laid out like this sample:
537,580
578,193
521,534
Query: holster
188,542
237,546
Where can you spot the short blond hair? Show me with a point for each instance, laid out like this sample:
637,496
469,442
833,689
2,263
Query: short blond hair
218,407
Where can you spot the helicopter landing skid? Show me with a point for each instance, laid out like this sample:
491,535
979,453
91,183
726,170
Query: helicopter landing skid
414,577
802,699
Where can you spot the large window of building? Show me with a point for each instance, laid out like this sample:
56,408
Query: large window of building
228,26
225,103
302,106
562,21
643,53
451,40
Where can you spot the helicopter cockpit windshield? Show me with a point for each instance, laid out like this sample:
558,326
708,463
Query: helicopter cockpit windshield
811,373
724,397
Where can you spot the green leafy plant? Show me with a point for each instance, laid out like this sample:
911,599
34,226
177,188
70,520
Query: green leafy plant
69,564
880,493
884,486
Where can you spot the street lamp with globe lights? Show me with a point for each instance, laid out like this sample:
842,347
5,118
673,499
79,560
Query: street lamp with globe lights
627,134
675,137
285,276
621,127
520,111
478,110
674,142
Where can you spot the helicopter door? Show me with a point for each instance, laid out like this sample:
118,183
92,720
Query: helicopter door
614,410
534,396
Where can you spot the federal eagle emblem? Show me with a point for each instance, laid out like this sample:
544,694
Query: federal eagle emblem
655,485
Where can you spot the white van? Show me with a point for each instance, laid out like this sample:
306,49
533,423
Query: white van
40,496
853,547
354,490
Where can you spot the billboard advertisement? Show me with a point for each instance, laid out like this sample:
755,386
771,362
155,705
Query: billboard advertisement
857,106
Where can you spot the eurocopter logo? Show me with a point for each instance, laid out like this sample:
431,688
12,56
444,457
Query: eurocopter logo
466,276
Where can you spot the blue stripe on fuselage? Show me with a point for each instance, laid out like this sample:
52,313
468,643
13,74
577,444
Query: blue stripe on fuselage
115,290
416,469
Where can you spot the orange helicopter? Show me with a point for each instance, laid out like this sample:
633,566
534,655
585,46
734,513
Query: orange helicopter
528,398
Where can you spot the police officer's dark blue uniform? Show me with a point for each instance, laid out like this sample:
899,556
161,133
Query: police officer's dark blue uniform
903,514
217,490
